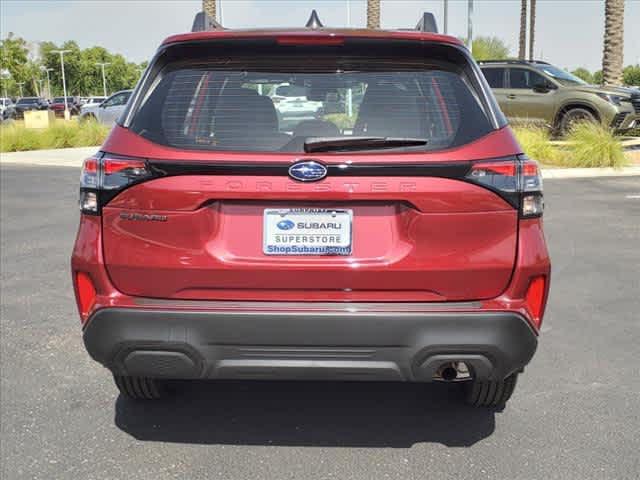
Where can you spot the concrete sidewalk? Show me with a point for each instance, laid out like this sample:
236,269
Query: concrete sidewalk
62,157
73,157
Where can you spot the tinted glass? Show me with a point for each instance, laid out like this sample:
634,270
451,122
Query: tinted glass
562,76
27,101
118,100
494,76
522,78
240,103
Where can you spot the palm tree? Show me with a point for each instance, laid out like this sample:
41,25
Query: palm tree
522,51
209,7
612,57
532,29
373,13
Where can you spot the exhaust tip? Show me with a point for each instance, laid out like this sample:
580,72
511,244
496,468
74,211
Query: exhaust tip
448,373
453,372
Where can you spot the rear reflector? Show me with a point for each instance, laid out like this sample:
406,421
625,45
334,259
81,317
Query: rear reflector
86,293
535,298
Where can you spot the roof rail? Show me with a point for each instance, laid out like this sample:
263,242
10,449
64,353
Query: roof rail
514,61
314,21
204,23
427,23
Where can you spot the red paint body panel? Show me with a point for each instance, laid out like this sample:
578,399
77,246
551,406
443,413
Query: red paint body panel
218,247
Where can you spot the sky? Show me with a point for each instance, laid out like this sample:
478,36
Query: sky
569,32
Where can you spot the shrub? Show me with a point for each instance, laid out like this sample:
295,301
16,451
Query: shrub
91,133
536,143
594,145
16,138
587,145
59,135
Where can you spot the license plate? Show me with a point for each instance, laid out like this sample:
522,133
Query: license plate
302,231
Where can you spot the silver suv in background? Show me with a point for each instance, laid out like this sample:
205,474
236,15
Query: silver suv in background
108,111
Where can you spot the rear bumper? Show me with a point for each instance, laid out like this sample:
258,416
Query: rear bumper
266,340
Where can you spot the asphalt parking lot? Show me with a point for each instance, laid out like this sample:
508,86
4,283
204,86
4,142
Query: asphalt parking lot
575,413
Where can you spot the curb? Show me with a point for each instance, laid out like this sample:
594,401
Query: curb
62,157
556,173
73,157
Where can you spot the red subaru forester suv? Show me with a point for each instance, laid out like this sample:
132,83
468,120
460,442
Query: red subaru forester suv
375,221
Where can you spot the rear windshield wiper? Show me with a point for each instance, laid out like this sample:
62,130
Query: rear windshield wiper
327,144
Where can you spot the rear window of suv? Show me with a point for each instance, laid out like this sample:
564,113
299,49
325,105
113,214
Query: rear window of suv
237,102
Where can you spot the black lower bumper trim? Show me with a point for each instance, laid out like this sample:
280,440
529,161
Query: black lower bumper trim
402,344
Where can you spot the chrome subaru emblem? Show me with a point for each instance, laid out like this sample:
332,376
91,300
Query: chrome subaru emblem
307,171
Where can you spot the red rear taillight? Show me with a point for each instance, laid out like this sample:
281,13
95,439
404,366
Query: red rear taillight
86,293
517,180
535,298
327,40
104,176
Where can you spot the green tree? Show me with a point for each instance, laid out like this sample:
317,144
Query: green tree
490,48
631,75
584,74
598,77
82,74
15,59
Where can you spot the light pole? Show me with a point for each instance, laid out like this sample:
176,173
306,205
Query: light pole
446,16
5,74
470,24
349,90
104,78
20,87
47,70
64,82
41,84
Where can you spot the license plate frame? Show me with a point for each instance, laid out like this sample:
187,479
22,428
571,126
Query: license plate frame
323,243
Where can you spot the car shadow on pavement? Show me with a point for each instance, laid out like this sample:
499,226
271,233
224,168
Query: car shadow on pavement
335,414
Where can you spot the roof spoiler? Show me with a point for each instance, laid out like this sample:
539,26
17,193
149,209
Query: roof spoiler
427,23
204,23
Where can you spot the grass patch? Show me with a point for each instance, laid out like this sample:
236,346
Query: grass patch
536,143
594,145
62,134
14,138
587,145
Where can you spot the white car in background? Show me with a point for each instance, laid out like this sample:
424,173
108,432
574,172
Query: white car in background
109,110
91,102
293,106
4,103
